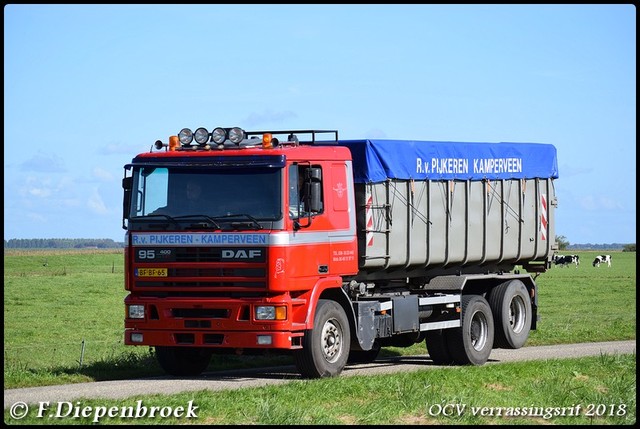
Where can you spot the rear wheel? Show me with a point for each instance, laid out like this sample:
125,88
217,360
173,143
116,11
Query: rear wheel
325,348
511,307
183,361
471,343
437,347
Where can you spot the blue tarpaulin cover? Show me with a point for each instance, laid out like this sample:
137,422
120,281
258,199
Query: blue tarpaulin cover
379,160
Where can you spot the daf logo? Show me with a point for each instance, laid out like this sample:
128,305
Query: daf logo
241,254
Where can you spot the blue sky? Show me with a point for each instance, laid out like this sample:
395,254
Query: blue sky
88,87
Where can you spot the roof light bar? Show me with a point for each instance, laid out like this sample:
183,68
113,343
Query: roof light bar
237,136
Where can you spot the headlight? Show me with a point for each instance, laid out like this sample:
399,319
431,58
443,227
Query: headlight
271,312
136,312
186,136
201,136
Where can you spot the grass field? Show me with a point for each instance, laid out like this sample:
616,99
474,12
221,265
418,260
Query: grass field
64,313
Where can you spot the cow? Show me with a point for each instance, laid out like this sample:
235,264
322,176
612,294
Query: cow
601,259
563,260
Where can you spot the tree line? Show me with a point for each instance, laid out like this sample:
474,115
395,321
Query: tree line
563,244
62,243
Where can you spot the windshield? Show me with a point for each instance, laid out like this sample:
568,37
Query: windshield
171,192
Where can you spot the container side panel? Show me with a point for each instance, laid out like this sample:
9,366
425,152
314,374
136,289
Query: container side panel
457,233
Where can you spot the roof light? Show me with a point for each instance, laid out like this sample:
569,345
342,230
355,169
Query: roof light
202,136
186,136
266,141
218,135
293,138
236,135
174,142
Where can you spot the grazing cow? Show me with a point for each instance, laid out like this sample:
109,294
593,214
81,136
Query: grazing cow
602,259
563,261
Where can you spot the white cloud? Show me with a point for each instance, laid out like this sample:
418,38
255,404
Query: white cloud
102,174
122,148
96,204
44,163
599,203
40,192
375,133
36,217
269,116
567,170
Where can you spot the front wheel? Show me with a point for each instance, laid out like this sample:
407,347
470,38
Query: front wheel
325,348
471,343
183,361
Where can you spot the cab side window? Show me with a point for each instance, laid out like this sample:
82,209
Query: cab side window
305,191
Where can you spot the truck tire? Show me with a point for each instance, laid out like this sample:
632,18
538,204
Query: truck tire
183,361
325,348
511,307
362,356
471,343
437,347
406,339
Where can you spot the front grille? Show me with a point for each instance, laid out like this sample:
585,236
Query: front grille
197,324
200,285
207,269
217,272
213,339
200,254
210,313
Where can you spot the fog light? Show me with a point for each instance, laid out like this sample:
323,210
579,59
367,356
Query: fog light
136,312
136,338
264,340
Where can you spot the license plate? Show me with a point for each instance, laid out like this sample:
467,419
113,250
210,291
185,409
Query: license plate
151,272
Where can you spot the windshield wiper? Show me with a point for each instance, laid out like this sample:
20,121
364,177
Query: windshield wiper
252,220
208,218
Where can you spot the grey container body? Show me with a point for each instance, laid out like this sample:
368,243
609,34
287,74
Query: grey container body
434,227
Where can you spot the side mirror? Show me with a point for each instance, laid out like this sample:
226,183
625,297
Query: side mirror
315,197
127,185
314,189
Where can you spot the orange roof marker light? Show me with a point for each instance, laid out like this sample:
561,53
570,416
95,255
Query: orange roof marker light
174,142
267,141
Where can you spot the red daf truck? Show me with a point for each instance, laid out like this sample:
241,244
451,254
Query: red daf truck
299,242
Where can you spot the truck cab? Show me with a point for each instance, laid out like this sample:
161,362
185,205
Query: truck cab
272,225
